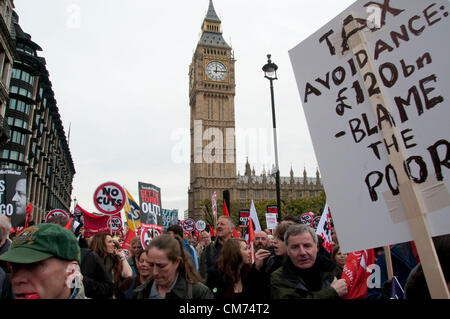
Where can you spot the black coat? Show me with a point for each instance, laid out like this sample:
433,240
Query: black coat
181,290
96,281
252,286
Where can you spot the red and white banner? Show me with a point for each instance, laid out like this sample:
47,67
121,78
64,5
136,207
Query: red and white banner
126,245
214,204
356,272
95,224
116,223
56,212
324,229
147,232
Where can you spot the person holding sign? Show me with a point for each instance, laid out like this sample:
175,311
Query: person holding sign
173,275
115,262
305,275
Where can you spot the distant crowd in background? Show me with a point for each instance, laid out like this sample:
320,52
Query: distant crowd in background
51,260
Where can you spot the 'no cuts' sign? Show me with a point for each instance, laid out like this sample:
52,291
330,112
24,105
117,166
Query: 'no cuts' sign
407,54
56,212
109,198
148,232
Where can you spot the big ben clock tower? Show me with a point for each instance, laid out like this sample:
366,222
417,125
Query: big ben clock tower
211,100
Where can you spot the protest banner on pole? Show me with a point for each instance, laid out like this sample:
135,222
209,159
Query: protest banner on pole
271,220
189,225
147,232
13,195
56,212
170,217
132,212
200,225
377,76
244,217
150,202
109,198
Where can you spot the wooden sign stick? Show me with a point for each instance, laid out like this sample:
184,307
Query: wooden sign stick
390,269
410,196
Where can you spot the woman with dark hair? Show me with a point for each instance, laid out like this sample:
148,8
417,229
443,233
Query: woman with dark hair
338,257
233,277
143,273
173,273
115,262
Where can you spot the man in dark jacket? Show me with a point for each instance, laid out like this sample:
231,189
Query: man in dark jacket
97,283
211,252
305,274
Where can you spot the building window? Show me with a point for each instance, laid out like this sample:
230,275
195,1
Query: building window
242,194
14,155
5,154
25,92
257,194
18,138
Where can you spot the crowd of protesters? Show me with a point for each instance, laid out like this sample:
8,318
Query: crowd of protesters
49,261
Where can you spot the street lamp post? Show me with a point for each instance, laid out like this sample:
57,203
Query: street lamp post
270,73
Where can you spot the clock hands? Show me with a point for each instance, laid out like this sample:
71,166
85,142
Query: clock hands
217,70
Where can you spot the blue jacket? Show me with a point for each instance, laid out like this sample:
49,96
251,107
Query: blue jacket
191,251
403,261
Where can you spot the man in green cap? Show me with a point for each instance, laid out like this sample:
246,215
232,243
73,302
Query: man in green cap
44,263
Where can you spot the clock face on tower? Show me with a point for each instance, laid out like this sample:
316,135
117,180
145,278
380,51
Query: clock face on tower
216,71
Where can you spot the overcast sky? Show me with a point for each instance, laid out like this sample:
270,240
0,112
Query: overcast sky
119,71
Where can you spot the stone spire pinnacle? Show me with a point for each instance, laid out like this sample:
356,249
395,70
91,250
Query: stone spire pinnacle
211,15
212,30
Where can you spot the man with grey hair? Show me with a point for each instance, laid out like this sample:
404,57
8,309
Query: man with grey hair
224,231
5,243
305,275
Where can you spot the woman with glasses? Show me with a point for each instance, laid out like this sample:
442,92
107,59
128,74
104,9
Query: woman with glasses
173,273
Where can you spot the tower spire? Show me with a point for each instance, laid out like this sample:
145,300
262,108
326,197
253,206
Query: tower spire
211,15
212,30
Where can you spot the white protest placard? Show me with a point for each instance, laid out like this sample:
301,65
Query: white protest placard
109,198
407,47
189,225
200,225
56,212
271,220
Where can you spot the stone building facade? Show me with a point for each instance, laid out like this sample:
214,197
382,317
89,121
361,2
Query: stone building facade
7,56
37,142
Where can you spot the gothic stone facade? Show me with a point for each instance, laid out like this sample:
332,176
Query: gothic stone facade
211,98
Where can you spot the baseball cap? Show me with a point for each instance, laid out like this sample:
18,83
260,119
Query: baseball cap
40,242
